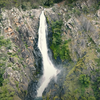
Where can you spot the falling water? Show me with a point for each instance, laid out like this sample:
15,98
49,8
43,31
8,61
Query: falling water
49,70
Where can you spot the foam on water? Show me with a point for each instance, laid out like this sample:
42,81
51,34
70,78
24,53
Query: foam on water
49,71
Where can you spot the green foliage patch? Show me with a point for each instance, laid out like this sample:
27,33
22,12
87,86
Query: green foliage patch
96,88
96,83
2,67
1,80
84,80
29,4
77,12
58,46
6,93
4,42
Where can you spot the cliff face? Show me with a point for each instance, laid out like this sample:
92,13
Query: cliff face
20,59
77,28
82,26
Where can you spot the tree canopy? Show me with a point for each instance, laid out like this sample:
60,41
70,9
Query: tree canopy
31,3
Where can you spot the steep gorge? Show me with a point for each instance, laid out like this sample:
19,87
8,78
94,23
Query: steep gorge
77,29
20,59
80,78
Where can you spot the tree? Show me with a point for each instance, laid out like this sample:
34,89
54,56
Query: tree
84,80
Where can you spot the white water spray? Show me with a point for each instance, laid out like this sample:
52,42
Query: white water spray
49,70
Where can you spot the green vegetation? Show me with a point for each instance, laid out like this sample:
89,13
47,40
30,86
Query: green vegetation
7,59
9,4
29,4
85,9
26,5
17,29
3,57
98,62
58,46
91,98
26,46
91,40
67,17
94,7
96,83
71,1
77,83
24,66
0,17
96,87
6,93
1,80
77,12
98,50
4,42
84,80
32,17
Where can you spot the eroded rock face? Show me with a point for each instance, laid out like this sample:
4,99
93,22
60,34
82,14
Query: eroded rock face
21,27
23,64
83,30
98,13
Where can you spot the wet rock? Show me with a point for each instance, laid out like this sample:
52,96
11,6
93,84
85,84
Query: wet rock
32,91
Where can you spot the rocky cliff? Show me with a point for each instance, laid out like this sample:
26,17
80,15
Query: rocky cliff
74,39
20,59
80,78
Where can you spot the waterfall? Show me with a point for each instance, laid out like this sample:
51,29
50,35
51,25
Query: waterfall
49,71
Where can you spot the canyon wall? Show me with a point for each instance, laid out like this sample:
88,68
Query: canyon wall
79,79
20,58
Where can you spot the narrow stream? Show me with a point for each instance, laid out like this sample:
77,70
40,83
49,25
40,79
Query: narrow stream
49,71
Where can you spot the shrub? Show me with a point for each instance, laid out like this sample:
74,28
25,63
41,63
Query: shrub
32,16
17,29
9,46
67,17
98,50
48,3
24,66
59,47
0,17
77,12
71,1
1,80
26,45
83,98
85,9
6,93
91,40
84,80
91,98
4,42
34,6
25,5
98,61
96,87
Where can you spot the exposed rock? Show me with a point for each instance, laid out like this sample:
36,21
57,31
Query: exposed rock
98,13
21,27
8,71
83,30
